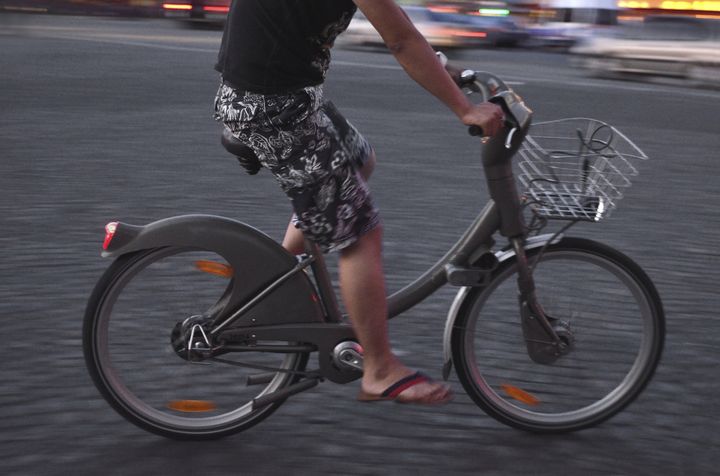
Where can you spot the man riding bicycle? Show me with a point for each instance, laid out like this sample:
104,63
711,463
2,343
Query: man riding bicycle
273,60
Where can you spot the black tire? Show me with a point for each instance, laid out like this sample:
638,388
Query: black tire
606,370
127,346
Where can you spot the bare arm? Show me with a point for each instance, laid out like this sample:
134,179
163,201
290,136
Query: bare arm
418,59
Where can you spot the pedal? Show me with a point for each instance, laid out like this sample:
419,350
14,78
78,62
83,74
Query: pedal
259,379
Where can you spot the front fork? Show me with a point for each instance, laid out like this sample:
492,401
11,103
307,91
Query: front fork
546,337
544,345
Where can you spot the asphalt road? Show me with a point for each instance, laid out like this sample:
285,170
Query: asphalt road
110,119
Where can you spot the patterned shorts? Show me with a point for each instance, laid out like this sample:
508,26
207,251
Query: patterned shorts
315,155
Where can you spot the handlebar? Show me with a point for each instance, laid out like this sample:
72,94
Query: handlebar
498,150
493,89
475,131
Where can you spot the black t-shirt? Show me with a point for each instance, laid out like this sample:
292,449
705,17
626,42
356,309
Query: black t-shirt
275,46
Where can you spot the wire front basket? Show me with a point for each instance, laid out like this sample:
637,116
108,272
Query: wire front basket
576,168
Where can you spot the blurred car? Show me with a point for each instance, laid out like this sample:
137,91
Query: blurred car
558,35
560,24
487,29
197,11
670,46
443,29
143,8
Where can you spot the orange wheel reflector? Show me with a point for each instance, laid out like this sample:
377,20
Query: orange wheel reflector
213,267
191,406
520,395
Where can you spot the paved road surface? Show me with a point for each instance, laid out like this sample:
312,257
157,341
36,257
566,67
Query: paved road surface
105,119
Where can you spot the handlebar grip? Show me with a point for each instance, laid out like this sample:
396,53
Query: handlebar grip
475,131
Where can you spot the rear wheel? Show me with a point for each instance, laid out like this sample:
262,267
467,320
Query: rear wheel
607,310
131,321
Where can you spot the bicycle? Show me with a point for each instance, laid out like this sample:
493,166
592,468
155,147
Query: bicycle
569,345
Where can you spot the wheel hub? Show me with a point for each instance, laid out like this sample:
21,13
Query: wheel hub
189,338
564,333
542,348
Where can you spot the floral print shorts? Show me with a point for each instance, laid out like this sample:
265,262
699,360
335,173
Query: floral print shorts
313,152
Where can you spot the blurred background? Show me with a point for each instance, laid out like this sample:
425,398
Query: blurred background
106,114
619,38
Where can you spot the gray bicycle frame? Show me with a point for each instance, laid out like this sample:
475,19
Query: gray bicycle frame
469,262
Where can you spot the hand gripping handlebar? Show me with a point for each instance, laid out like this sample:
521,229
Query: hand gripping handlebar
495,90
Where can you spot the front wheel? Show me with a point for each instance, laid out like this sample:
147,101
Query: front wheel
605,308
130,345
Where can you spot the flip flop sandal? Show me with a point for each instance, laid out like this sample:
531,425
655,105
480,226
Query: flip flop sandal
393,391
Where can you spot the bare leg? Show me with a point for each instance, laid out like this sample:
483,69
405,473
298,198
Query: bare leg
362,285
293,241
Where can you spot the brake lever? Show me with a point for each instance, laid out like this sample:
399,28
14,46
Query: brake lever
510,122
477,131
509,138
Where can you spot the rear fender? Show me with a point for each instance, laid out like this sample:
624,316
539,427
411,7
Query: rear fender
256,260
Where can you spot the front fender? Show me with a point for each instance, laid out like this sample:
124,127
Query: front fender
256,260
464,292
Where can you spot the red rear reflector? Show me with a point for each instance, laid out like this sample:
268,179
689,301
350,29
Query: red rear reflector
520,395
109,233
